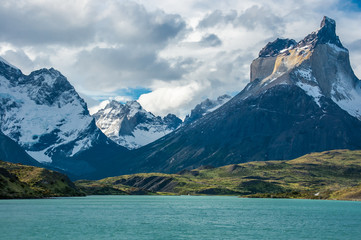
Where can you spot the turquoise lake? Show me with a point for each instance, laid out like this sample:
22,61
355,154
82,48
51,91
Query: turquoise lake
178,217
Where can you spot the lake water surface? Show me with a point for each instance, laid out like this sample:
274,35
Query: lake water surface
178,217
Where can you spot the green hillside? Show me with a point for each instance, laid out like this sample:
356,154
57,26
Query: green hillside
327,175
21,181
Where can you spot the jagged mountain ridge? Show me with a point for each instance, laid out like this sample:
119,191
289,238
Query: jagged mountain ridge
43,113
205,107
131,126
298,101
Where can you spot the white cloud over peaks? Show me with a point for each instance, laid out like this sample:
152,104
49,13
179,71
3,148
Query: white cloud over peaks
183,51
171,99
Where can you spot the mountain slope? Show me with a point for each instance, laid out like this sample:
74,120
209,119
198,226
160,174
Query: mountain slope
10,151
292,106
205,107
131,126
43,113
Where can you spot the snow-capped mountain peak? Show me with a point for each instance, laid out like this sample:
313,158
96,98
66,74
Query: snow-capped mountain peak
131,126
43,113
45,116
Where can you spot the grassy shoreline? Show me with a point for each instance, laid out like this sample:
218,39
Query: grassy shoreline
332,175
329,175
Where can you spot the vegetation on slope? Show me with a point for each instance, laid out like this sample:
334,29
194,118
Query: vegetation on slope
327,175
21,181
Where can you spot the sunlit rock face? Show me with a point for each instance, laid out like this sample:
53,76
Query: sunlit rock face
319,64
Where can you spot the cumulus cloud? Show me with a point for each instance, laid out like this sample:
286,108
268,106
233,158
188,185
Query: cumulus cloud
180,52
26,23
119,67
170,98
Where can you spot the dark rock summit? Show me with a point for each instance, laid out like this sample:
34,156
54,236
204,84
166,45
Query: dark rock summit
326,34
273,48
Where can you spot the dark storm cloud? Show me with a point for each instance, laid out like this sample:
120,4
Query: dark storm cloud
210,40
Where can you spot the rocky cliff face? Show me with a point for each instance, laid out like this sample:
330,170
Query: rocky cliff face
319,64
303,97
43,113
131,126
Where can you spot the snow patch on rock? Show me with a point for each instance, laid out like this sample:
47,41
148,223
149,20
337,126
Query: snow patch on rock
313,91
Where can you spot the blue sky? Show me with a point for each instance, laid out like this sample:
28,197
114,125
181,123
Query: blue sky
357,3
169,55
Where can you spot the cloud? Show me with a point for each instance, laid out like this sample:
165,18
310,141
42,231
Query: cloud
180,52
130,23
217,18
20,58
251,18
260,17
355,46
110,69
179,97
28,23
355,53
170,99
210,40
25,23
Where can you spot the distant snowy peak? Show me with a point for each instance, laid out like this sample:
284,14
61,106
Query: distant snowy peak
205,107
319,64
43,113
131,126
